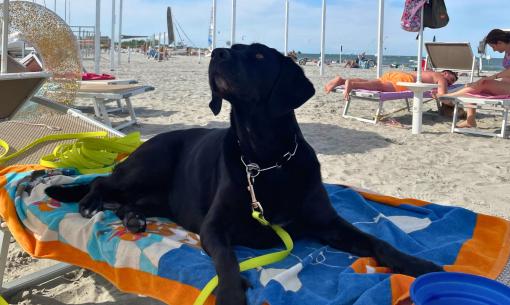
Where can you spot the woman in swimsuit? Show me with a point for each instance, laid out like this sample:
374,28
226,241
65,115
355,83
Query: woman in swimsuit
497,84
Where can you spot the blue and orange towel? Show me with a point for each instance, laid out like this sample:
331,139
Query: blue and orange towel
168,264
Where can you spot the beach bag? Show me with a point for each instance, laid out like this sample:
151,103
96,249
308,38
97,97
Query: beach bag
435,15
411,17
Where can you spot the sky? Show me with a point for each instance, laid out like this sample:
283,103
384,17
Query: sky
351,24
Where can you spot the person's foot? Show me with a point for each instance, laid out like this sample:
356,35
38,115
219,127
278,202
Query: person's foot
337,81
466,124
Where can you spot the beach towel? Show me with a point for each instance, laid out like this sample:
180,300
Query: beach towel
94,76
488,96
167,263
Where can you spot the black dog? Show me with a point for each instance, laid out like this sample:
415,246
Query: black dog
198,177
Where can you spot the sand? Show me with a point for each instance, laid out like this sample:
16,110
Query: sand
437,166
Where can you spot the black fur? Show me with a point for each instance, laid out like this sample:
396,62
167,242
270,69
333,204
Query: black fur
196,177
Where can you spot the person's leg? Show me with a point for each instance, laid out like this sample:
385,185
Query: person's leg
338,81
492,87
376,85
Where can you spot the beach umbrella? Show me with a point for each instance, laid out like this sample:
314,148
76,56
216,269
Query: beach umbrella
286,44
5,35
233,25
380,38
97,38
323,36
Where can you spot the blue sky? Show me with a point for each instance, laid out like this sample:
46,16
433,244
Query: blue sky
350,23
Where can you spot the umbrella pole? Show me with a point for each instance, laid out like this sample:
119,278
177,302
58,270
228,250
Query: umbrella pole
286,41
120,33
233,25
380,32
5,35
420,49
112,42
323,34
97,38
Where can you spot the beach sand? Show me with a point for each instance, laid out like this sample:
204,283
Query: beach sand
437,166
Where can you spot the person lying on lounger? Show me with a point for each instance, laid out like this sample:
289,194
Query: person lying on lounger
388,82
497,84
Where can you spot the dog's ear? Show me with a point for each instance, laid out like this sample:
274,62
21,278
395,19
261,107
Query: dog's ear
215,104
291,90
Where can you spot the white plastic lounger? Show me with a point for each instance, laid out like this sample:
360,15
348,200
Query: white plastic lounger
495,104
106,93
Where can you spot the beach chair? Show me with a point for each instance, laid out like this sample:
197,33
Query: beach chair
381,97
106,92
16,90
455,56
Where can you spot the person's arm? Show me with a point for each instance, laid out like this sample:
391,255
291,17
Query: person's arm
442,84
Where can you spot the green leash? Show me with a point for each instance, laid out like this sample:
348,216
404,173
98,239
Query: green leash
259,261
92,152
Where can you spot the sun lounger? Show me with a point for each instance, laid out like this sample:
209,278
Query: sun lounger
380,97
492,103
103,94
16,89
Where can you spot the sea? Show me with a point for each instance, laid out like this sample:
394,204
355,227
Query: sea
493,64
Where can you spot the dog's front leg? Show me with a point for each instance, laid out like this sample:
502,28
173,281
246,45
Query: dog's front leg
333,230
217,243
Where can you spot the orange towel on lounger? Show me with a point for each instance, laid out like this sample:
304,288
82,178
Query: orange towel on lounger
397,76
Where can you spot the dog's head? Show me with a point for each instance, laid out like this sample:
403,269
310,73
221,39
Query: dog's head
257,78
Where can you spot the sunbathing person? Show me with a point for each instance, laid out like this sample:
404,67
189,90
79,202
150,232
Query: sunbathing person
487,85
497,84
388,82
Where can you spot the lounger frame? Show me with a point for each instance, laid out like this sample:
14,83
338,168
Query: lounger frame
500,105
101,99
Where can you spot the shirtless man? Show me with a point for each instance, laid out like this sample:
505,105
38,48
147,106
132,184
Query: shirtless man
388,82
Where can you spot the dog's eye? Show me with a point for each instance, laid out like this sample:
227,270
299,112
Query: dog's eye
259,56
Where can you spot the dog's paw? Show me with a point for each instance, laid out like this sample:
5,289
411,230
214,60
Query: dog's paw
134,222
89,208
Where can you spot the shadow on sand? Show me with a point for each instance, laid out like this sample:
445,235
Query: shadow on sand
326,139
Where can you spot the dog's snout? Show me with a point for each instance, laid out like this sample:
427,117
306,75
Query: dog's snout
221,54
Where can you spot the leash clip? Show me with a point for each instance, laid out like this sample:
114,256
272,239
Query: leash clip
253,170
